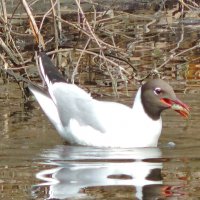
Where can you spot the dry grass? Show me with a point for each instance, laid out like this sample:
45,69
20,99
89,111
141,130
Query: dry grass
88,43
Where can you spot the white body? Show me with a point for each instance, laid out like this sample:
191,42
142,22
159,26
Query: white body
70,109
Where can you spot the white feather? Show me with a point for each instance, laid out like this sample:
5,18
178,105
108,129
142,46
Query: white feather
124,126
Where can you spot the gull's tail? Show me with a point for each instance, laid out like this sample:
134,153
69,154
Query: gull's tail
48,71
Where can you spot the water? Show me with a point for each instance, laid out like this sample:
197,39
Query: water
35,163
83,172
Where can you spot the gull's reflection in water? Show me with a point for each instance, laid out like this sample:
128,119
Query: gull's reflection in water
70,171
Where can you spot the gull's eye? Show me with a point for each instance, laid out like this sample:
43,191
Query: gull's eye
157,91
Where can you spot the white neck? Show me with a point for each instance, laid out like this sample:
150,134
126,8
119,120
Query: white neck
148,129
137,102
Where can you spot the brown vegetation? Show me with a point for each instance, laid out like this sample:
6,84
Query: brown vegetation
94,42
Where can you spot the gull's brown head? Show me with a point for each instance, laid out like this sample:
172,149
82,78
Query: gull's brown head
157,95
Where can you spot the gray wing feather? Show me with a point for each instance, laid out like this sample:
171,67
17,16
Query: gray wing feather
74,103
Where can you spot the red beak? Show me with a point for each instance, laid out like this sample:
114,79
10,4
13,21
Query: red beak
178,106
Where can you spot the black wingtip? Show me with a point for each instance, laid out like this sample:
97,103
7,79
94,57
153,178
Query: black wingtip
48,69
33,87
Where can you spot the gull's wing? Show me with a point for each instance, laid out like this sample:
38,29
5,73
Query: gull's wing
67,101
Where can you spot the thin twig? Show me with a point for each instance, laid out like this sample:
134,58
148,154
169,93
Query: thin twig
33,24
10,71
79,59
9,52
